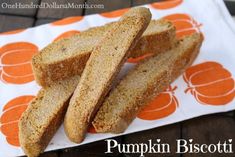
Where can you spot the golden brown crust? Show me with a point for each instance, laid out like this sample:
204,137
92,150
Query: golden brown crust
103,65
158,37
44,115
153,42
143,83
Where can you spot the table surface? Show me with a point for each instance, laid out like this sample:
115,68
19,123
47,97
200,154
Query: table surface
206,129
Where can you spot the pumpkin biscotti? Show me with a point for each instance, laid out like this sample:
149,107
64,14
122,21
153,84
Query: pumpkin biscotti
67,57
102,67
44,115
143,83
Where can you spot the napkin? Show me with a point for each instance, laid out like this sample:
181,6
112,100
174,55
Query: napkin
204,88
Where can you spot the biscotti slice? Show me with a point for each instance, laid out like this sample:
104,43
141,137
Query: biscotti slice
143,83
102,67
158,37
44,115
68,57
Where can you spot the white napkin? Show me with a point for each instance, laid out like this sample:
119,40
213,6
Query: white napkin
208,16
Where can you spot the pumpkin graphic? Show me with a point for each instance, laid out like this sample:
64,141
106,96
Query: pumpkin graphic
138,59
12,112
185,24
12,32
68,20
66,34
91,130
114,14
210,83
15,64
161,106
167,4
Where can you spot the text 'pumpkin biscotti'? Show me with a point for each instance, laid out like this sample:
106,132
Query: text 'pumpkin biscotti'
44,115
68,57
142,83
101,69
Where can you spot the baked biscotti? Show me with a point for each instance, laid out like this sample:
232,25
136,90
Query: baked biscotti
44,115
68,57
143,83
102,67
158,37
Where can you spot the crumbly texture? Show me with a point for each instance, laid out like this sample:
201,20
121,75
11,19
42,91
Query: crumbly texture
143,83
67,57
44,115
102,67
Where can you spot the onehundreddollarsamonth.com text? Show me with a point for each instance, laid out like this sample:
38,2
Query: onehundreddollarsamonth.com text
52,5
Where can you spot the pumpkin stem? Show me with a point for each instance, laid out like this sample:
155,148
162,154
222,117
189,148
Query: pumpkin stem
188,89
169,88
174,88
198,25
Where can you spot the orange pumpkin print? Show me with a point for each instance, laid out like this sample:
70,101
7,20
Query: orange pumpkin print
210,83
116,13
91,130
138,59
185,24
68,20
66,34
162,106
167,4
15,64
12,112
12,32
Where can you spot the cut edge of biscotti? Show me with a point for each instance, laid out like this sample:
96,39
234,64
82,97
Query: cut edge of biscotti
44,115
67,57
157,38
143,83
